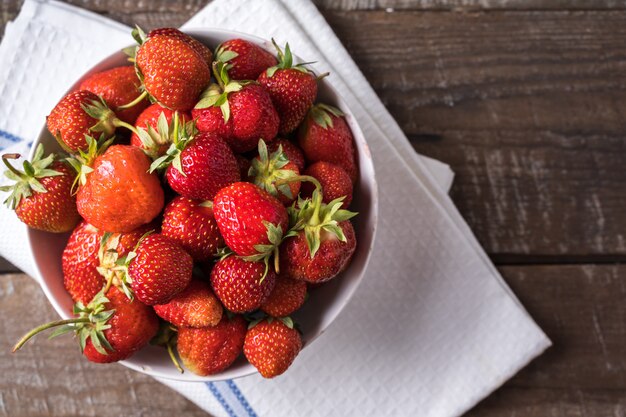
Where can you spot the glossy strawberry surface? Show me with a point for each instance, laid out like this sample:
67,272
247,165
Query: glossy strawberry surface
195,306
271,347
69,122
334,180
160,270
120,194
240,284
209,350
251,59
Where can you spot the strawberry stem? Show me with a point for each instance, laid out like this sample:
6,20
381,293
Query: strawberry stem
134,102
10,167
47,326
118,123
170,351
217,74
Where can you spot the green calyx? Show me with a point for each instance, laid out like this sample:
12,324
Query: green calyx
178,133
267,251
285,61
112,267
107,120
167,337
313,217
27,181
321,114
216,95
225,55
89,323
83,161
266,170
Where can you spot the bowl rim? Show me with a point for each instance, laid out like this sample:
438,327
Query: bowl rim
362,150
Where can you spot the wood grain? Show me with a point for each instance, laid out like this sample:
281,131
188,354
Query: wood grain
526,107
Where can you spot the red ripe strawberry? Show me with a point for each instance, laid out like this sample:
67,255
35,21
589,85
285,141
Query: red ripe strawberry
149,119
80,262
108,329
117,193
159,269
292,151
324,243
268,170
288,296
246,60
240,112
191,224
293,90
197,46
272,345
117,86
78,114
195,306
331,258
203,166
133,324
250,219
240,285
172,67
334,180
209,350
325,136
42,194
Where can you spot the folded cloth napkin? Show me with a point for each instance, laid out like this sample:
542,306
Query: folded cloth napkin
432,329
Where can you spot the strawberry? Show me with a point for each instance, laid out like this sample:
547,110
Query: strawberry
195,306
325,136
268,170
291,150
156,145
117,194
288,296
133,324
117,86
110,328
196,45
116,246
331,258
172,66
240,111
240,285
246,60
250,219
158,269
272,345
324,240
80,262
209,350
198,166
78,114
191,224
293,89
42,194
334,180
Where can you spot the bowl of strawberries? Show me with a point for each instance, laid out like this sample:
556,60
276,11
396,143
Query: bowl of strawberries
202,206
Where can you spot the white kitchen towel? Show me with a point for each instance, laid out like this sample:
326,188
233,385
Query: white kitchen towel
432,329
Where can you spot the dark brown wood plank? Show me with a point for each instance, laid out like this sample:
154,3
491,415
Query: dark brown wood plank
580,307
527,108
469,5
6,266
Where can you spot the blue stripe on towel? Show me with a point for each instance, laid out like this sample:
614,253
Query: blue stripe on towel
241,398
219,398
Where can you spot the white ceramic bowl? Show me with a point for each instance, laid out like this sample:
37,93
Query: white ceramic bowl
324,304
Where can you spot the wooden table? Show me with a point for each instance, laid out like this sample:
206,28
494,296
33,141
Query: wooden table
527,102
